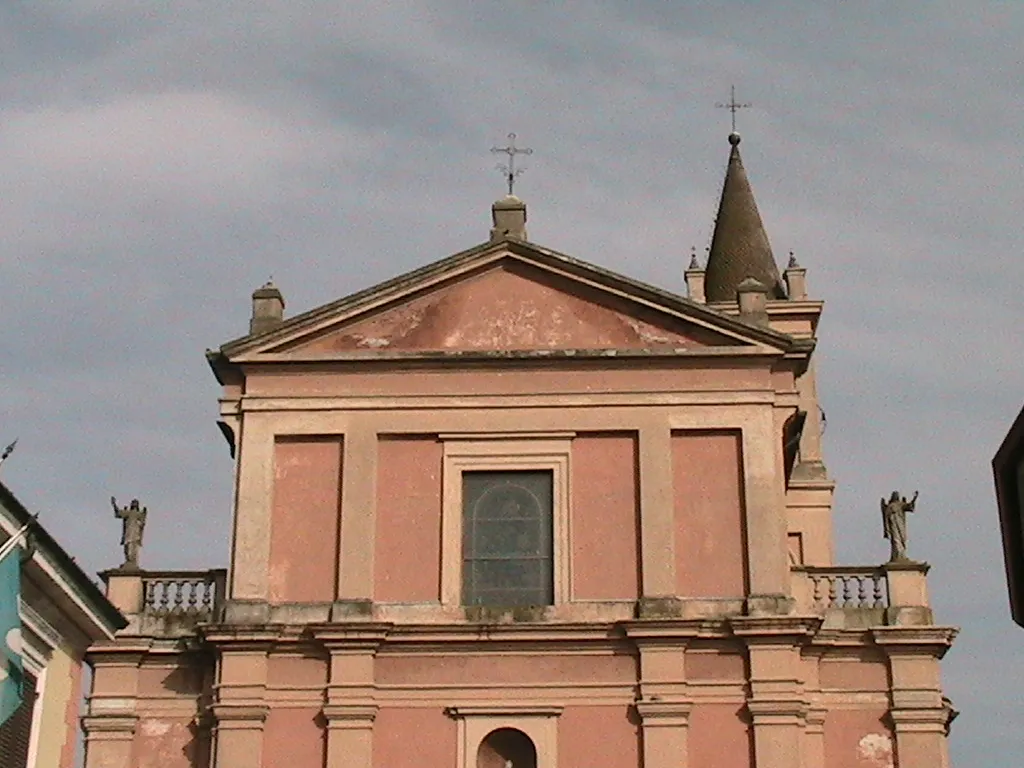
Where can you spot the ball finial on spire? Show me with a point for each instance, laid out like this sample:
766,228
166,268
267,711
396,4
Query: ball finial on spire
734,138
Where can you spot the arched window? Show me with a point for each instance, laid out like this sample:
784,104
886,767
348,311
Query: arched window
506,748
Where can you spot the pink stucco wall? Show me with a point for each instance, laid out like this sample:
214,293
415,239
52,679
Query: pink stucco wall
407,558
716,665
411,737
165,739
491,669
71,713
305,520
605,517
864,674
719,736
168,742
598,736
297,671
858,738
710,551
294,737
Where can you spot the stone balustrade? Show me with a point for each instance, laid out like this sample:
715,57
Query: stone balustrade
893,593
192,593
849,587
166,603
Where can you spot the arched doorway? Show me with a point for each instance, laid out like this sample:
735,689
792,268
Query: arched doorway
506,748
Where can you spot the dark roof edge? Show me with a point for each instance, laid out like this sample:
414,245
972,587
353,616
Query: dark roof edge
90,593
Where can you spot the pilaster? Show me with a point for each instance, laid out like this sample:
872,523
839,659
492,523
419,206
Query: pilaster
250,549
110,723
351,705
764,506
358,506
657,513
109,740
777,705
919,713
240,708
664,703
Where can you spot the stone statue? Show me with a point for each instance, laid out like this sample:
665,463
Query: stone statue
133,523
894,524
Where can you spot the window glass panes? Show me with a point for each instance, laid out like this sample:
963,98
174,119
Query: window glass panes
506,538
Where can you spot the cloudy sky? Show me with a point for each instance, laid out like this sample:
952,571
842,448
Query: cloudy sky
158,165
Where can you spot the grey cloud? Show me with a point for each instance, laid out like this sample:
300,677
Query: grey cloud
157,164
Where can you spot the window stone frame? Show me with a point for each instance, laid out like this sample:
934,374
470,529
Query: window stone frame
504,452
475,722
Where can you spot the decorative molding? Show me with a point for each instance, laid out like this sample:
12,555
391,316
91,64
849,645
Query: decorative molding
474,436
787,630
505,709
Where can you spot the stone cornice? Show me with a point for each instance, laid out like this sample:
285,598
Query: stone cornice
241,637
361,636
775,629
650,631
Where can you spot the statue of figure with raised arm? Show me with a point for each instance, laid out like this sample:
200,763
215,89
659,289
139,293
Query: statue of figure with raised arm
894,524
133,523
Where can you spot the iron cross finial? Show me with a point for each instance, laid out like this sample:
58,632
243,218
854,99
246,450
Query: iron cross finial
733,105
510,171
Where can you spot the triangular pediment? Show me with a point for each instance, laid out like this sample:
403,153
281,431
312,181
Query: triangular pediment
507,298
510,307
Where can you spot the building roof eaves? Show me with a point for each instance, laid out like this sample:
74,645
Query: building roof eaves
86,591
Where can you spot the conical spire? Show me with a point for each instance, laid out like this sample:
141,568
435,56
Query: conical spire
739,247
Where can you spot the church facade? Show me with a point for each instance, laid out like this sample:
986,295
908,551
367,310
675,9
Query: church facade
513,509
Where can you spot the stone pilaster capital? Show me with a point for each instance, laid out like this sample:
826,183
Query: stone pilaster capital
676,632
780,711
915,641
922,720
774,630
109,727
815,719
248,638
362,637
350,716
663,713
242,715
122,651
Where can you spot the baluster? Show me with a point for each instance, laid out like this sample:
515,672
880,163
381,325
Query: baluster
833,591
193,587
879,602
149,603
207,596
179,594
819,592
165,595
847,591
862,591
